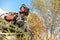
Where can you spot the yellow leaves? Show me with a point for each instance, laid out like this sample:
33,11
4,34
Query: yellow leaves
54,8
54,4
34,23
54,1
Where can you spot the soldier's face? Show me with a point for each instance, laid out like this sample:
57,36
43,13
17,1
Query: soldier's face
22,9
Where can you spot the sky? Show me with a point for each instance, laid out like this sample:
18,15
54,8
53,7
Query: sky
13,5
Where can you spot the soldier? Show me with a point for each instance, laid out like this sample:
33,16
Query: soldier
20,17
24,11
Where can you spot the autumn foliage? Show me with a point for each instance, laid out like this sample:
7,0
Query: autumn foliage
34,24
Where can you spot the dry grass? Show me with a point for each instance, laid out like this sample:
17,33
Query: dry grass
34,24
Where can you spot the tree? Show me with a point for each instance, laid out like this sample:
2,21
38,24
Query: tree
49,10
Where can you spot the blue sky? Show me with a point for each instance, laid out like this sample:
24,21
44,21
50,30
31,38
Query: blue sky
13,5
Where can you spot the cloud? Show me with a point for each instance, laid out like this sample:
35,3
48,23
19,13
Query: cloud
2,11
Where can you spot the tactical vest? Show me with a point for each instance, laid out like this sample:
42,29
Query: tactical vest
19,21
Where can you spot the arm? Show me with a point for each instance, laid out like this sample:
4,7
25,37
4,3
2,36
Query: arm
9,18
